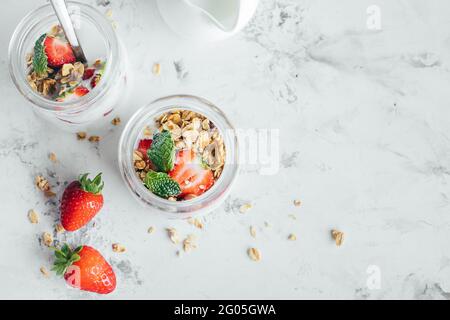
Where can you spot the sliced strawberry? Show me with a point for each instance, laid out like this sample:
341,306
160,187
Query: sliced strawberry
58,52
81,91
190,174
144,145
88,73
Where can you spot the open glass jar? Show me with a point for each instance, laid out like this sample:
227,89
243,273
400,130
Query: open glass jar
145,118
98,39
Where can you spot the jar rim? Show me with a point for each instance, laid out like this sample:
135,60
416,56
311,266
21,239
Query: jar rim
130,136
19,37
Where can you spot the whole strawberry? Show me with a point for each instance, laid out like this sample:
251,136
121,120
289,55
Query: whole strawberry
84,268
81,201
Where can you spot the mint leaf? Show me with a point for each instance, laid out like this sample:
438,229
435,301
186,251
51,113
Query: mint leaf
40,58
161,184
162,151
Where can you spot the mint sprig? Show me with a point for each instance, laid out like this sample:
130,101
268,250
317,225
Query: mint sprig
162,151
161,184
40,64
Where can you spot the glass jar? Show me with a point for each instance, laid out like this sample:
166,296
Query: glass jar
132,133
98,39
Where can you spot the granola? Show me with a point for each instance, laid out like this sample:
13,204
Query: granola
196,223
254,254
183,158
338,237
81,135
54,72
245,207
156,69
253,231
47,239
292,237
190,243
52,157
116,121
94,139
118,248
173,235
44,272
33,216
44,186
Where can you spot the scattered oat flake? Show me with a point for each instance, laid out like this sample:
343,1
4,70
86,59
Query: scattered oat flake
254,254
245,207
173,235
81,135
116,121
297,203
196,223
116,247
156,69
109,13
44,272
47,239
42,183
253,231
151,230
33,216
94,139
338,236
59,228
292,237
189,243
52,157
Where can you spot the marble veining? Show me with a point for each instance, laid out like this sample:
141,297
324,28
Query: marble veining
364,144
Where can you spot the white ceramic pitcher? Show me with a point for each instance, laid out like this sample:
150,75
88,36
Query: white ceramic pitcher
207,19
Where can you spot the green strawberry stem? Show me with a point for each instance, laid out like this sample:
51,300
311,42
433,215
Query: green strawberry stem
40,64
64,258
162,151
92,186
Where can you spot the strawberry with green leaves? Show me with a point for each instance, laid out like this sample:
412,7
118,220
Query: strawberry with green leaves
81,201
84,268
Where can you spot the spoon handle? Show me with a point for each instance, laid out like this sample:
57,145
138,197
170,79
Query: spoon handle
62,13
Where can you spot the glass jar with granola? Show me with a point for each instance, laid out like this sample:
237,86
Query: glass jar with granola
179,155
69,93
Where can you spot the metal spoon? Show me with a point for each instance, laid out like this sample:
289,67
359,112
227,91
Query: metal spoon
62,13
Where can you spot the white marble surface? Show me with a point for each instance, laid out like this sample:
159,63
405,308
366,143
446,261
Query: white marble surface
365,144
